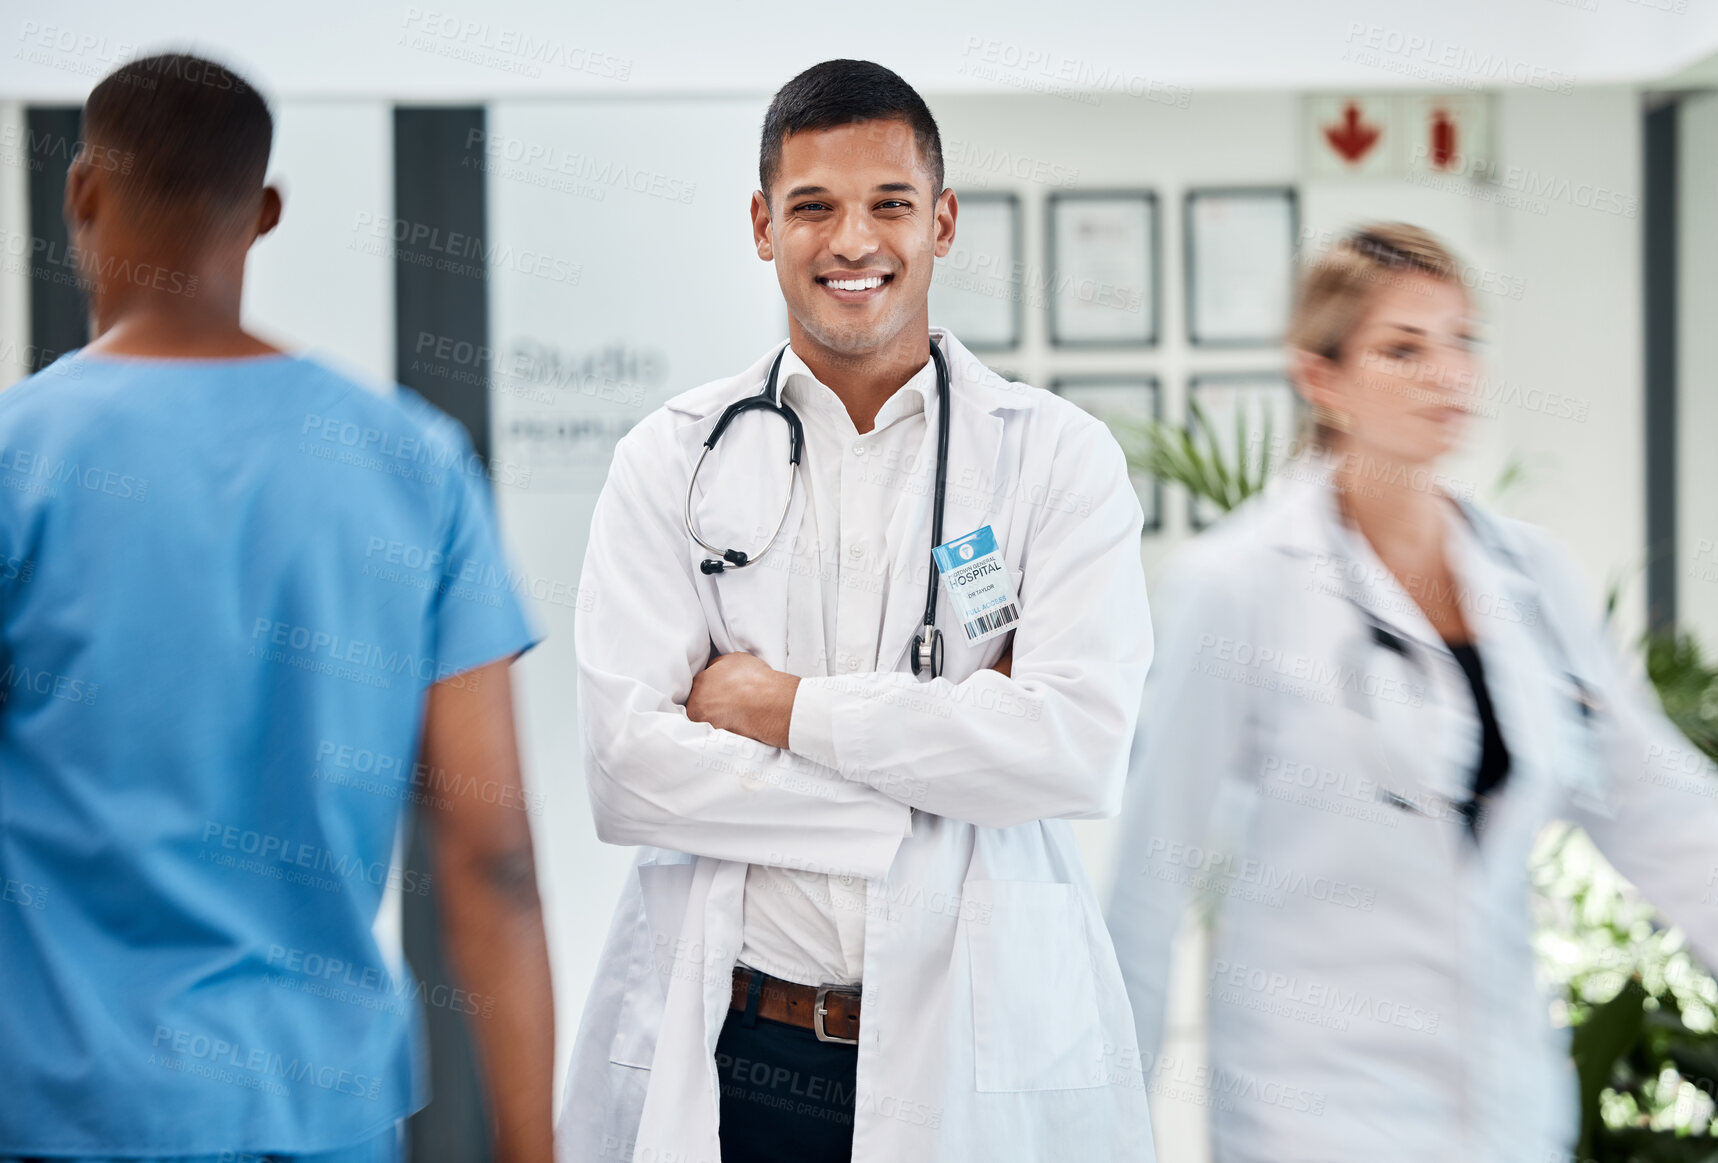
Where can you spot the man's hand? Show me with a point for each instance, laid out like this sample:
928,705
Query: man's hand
744,694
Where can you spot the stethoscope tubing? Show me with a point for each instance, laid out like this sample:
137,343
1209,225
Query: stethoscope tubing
927,645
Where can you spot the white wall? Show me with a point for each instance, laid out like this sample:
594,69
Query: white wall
1697,371
1577,330
310,285
14,244
509,48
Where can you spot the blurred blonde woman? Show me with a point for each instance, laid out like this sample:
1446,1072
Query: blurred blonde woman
1368,697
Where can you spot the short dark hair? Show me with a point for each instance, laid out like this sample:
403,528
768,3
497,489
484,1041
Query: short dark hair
841,92
194,135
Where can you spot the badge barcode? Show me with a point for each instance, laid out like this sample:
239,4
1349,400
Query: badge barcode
985,623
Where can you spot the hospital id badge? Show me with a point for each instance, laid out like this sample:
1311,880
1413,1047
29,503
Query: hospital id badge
978,584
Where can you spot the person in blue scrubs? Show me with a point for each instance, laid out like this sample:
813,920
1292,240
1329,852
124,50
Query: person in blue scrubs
250,612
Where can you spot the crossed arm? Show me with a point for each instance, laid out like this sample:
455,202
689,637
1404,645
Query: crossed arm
742,693
692,754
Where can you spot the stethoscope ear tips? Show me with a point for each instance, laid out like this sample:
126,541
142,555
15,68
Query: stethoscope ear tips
716,565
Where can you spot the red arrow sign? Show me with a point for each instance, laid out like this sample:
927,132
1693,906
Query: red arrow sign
1352,138
1443,143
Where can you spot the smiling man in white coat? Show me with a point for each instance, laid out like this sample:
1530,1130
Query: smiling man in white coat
859,925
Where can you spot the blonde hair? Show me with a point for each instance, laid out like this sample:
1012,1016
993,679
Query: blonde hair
1340,285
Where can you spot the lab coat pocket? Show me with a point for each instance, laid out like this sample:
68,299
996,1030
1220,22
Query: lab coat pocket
1034,993
649,969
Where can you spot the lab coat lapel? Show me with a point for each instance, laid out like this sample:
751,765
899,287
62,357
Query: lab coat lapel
975,437
1416,703
1372,585
680,1106
1440,718
1498,604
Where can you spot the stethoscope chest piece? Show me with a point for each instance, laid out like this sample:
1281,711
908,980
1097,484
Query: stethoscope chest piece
928,652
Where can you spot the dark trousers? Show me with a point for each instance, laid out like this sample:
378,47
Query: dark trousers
786,1097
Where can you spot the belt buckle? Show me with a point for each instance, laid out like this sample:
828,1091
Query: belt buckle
817,1014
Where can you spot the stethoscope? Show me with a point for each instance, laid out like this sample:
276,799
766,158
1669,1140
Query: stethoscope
1581,702
928,643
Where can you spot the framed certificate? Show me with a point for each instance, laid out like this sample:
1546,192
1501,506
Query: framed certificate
1238,407
1102,268
1240,265
1123,402
976,288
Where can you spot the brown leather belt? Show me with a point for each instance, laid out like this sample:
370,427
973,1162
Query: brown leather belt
831,1012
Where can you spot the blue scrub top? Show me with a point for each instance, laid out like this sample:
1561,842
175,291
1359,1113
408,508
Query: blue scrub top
225,587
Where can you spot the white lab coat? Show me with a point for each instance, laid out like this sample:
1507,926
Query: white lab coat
995,1022
1371,990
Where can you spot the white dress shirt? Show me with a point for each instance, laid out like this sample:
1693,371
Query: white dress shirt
805,926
